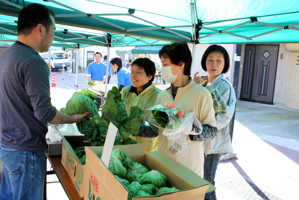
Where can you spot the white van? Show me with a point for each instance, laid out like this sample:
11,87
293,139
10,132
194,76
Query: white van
57,60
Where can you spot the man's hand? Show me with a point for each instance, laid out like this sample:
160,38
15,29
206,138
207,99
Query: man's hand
80,117
198,79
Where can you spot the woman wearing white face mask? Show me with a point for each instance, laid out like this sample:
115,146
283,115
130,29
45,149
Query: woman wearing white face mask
176,64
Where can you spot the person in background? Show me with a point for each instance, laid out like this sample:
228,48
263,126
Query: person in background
215,61
142,93
176,66
104,62
129,65
96,70
25,106
123,74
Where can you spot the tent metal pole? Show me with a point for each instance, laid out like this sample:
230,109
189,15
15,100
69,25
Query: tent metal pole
193,59
209,35
266,24
153,28
15,33
12,4
236,35
107,72
77,66
266,33
71,15
178,34
295,29
99,19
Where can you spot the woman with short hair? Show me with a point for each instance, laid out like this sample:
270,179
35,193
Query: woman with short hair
176,67
215,61
142,93
123,74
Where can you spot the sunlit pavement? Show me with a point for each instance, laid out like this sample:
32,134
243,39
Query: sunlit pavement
266,143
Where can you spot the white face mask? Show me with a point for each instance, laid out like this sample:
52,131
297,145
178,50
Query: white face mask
166,73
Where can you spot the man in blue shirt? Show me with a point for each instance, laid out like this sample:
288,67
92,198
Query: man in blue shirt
96,70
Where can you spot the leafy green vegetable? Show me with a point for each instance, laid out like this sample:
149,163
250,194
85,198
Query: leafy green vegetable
166,190
136,171
88,93
154,177
80,152
161,116
123,181
149,188
119,154
133,189
218,102
116,167
142,193
115,111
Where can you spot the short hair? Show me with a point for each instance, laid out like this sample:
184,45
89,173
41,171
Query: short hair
98,53
178,52
148,66
118,62
215,48
130,60
105,57
32,15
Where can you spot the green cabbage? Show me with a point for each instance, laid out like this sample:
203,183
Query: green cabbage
166,190
133,189
123,181
154,177
136,171
149,188
142,193
116,167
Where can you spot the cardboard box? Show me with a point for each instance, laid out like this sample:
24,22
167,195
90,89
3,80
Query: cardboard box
71,162
54,148
100,183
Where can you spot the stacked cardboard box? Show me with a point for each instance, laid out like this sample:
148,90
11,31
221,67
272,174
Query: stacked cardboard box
71,162
100,183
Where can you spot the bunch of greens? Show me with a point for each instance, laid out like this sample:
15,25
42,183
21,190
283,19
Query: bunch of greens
218,102
82,102
136,177
159,113
115,111
80,152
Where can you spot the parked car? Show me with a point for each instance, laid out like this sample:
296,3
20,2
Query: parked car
59,60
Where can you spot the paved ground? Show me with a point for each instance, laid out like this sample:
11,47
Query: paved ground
266,141
266,144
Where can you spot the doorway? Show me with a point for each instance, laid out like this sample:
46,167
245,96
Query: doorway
259,72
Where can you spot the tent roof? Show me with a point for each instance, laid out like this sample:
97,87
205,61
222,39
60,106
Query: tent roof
203,21
139,50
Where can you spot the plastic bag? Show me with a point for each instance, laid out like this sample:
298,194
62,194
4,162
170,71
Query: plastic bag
218,102
177,128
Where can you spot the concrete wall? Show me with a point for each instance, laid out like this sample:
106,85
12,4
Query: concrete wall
282,74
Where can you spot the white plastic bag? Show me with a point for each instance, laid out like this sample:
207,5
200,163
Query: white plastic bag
177,138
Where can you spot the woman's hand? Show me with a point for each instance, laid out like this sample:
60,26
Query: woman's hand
198,79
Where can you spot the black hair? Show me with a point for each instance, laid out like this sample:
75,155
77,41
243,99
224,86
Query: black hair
130,60
117,61
215,48
178,52
105,57
148,66
98,53
32,15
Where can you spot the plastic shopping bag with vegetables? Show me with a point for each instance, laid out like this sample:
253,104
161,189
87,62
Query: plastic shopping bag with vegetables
176,124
